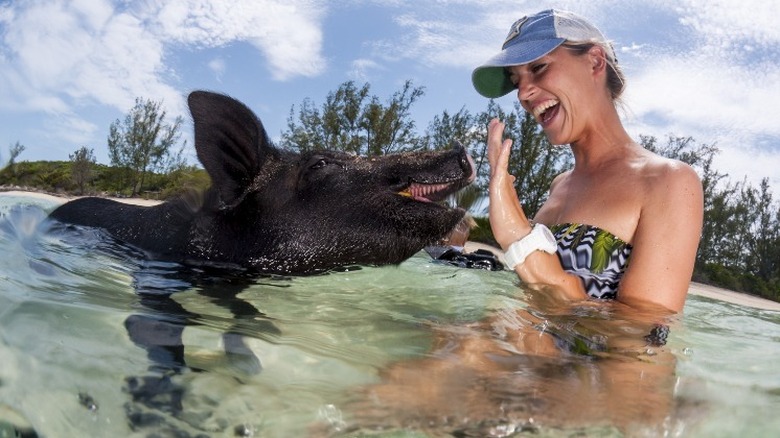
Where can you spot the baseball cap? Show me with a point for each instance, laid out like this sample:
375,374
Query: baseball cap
530,38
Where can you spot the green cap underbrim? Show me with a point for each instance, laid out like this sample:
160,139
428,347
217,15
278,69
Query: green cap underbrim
492,82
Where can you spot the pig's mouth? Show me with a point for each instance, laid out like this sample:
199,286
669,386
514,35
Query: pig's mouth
431,192
434,192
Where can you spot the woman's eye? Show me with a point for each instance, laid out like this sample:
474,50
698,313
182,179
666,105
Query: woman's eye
538,68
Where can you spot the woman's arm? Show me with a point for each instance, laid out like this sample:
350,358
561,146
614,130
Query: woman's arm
665,240
509,223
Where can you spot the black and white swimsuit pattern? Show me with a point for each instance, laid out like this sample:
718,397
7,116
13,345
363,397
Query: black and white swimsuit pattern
597,256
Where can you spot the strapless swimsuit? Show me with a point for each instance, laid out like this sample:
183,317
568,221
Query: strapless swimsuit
600,259
597,256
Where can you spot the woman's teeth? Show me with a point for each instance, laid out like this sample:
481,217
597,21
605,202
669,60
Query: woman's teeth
539,110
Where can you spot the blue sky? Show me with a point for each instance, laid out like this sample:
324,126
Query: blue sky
68,68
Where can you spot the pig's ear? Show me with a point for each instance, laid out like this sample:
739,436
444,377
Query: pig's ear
230,142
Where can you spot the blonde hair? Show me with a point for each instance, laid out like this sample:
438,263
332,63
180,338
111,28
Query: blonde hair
616,80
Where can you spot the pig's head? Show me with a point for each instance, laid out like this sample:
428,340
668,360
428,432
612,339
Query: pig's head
304,213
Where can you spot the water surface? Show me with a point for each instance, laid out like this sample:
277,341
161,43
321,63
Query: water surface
421,349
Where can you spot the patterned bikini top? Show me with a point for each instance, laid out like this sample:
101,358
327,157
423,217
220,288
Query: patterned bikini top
597,256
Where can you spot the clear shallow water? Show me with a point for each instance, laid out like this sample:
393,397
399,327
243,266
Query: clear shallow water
354,352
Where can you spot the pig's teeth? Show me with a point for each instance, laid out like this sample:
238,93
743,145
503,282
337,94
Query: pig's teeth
417,190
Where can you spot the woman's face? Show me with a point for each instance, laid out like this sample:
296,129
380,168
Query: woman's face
558,90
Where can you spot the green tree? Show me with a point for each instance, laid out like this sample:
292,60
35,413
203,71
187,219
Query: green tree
481,120
308,133
335,126
390,128
352,121
761,239
82,162
14,151
535,162
447,130
142,142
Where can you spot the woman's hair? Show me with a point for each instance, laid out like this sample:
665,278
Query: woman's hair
616,80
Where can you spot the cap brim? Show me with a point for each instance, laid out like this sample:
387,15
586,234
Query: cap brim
492,80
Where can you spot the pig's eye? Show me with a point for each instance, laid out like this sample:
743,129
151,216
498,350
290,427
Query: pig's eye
319,164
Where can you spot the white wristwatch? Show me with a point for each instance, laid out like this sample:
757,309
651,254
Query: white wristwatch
540,239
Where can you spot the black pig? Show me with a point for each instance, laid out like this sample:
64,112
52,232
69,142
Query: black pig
277,211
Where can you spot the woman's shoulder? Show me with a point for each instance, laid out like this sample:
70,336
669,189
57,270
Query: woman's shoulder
667,183
663,173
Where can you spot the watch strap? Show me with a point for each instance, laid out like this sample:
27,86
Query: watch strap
539,239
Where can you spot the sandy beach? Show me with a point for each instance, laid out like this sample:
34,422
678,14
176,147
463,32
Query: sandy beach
695,288
63,199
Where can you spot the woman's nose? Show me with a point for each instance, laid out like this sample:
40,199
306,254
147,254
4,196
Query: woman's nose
525,90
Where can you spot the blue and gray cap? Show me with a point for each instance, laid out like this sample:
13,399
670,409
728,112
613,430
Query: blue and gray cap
529,39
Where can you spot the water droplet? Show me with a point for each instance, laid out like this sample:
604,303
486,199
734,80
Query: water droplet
332,415
503,430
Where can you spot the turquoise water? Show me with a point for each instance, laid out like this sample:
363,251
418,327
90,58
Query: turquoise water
421,349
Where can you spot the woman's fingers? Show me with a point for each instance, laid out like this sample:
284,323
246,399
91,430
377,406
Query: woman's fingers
499,148
495,136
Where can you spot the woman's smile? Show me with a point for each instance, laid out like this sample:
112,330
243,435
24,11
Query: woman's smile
546,117
546,111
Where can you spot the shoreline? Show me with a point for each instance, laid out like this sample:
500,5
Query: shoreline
65,198
698,289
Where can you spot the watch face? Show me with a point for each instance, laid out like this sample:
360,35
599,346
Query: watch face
548,237
540,239
548,234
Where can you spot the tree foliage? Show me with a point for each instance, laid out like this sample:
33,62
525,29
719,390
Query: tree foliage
14,151
352,121
447,130
82,162
143,142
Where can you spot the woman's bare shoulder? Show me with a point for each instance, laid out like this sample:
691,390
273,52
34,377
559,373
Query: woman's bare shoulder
663,173
668,183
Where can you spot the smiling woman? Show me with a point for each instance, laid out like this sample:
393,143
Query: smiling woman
565,73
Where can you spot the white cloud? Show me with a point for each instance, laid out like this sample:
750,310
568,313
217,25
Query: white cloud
719,87
60,54
725,23
361,69
705,93
71,128
218,66
750,163
286,32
